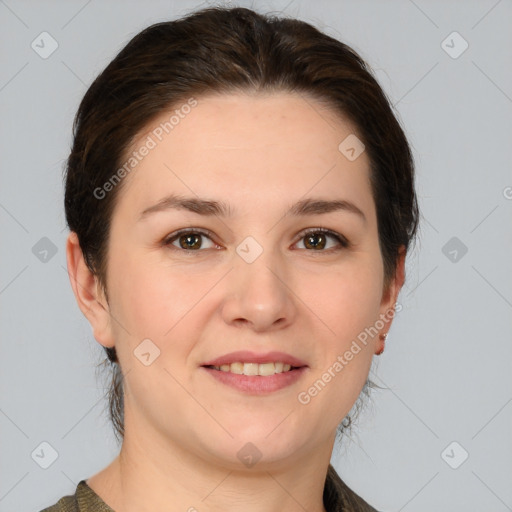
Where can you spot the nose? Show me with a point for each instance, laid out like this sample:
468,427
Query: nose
259,295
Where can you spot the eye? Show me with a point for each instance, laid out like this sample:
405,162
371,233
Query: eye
189,240
317,239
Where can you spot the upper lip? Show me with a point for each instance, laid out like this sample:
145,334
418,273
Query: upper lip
245,356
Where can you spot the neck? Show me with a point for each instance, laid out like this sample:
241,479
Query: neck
153,473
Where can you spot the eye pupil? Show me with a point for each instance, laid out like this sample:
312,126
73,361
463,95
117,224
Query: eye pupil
316,240
189,241
312,240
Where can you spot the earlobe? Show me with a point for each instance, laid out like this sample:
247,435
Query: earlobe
89,296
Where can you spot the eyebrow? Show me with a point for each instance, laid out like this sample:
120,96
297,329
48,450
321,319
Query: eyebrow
311,206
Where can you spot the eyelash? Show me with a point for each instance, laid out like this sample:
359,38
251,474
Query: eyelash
343,242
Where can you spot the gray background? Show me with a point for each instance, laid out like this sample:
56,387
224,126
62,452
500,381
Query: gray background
448,357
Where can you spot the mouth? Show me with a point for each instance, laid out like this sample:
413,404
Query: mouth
256,378
256,374
249,363
255,369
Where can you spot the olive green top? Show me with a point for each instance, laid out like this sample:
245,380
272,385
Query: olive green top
337,498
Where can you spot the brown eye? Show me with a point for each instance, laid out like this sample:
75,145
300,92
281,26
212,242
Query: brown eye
315,241
189,240
318,240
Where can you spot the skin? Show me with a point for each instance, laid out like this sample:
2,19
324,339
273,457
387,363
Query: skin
259,154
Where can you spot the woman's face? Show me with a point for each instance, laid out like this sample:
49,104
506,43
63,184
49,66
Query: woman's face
256,283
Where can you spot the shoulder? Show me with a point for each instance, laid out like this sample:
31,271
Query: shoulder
338,497
65,504
84,500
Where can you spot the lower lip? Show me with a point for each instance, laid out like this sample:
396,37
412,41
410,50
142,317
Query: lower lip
257,384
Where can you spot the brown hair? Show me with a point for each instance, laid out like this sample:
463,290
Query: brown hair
224,50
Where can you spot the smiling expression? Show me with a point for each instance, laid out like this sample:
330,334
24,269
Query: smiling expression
244,229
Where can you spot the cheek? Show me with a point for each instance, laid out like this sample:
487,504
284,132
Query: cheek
166,306
344,301
344,305
155,301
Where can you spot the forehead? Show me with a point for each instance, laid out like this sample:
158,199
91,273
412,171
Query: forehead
248,121
240,145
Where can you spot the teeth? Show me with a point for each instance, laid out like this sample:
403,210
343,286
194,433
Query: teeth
263,369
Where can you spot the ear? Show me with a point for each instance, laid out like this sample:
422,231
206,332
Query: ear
390,295
88,292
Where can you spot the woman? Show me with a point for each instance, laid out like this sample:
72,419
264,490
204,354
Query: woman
241,200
